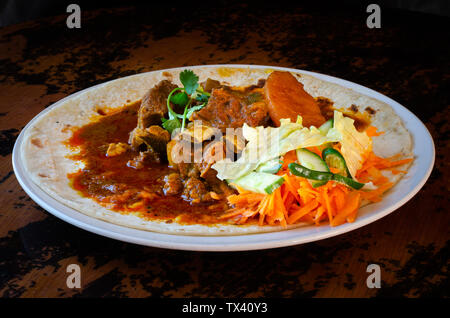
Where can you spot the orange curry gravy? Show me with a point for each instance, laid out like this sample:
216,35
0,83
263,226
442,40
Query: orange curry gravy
110,182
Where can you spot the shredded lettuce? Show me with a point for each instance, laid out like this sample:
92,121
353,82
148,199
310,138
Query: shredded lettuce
355,145
265,144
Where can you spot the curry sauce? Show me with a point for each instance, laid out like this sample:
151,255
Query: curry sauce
113,184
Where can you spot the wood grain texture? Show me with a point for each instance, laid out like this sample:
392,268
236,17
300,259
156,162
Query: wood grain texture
407,59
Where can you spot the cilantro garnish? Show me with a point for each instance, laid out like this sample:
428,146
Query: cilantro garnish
170,124
185,96
194,109
201,95
189,81
180,99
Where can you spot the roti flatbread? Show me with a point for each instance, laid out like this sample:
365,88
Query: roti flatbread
45,154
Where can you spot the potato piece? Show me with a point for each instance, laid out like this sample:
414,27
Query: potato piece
286,98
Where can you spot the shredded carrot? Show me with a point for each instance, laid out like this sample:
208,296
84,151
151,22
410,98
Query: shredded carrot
289,201
319,215
381,163
328,206
245,198
298,201
351,205
396,171
371,131
279,207
231,213
377,176
375,195
263,208
301,211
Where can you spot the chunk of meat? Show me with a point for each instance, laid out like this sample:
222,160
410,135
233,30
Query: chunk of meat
172,184
196,191
210,84
234,143
188,169
228,108
154,137
151,144
149,138
188,145
219,187
144,157
197,166
115,149
194,188
199,179
154,104
286,98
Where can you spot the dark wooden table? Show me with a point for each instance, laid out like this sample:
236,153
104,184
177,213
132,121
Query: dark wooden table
407,59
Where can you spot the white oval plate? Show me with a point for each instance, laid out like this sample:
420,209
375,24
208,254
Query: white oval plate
408,186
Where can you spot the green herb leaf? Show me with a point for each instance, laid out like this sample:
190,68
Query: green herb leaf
194,109
185,96
170,124
200,95
180,99
202,98
189,81
172,114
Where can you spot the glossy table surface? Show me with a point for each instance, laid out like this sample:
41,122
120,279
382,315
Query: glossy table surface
406,59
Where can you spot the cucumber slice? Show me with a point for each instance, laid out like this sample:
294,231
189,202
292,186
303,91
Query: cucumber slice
271,166
260,182
312,161
273,186
326,126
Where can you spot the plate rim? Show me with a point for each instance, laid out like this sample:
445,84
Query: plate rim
224,242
